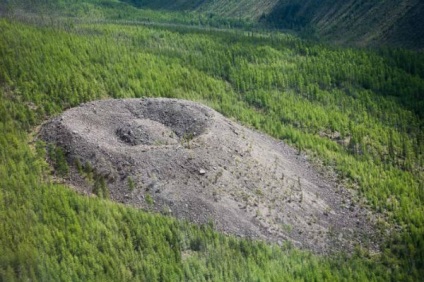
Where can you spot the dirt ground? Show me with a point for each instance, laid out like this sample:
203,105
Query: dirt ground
186,160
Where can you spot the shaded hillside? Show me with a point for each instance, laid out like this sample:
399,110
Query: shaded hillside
361,22
167,4
247,9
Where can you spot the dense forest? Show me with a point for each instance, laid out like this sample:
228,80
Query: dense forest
353,111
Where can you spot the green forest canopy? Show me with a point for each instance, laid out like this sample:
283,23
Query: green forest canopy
294,90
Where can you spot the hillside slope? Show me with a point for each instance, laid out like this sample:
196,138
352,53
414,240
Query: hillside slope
247,9
356,112
363,23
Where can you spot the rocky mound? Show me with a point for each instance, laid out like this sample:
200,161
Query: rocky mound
184,159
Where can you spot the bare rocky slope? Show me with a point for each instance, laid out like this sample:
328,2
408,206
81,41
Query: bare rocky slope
187,160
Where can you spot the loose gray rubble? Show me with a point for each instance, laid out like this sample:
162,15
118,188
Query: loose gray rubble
187,160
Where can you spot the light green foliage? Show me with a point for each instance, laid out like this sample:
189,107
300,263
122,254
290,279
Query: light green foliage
131,184
100,187
149,200
58,159
79,166
358,111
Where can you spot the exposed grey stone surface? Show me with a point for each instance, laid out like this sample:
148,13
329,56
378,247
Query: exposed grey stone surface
198,165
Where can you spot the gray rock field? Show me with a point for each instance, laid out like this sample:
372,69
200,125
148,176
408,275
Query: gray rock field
186,160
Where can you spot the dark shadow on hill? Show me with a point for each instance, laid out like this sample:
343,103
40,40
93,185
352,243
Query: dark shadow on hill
285,16
353,22
292,15
409,31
